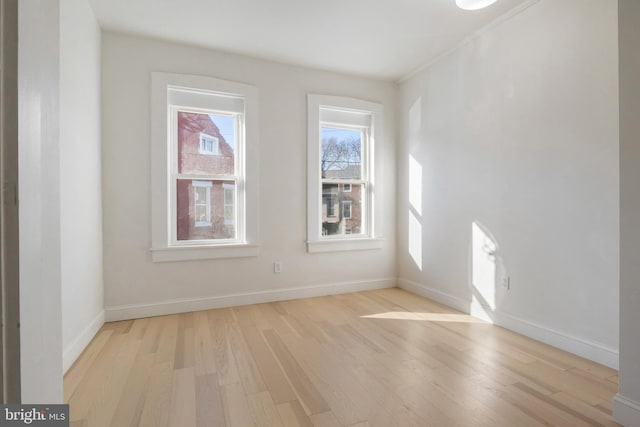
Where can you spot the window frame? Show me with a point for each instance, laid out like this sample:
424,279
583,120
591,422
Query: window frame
335,111
209,95
344,188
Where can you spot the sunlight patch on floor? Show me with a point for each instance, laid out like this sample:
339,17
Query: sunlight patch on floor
429,317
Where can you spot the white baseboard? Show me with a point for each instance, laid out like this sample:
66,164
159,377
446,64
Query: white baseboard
136,311
584,348
626,411
434,294
77,346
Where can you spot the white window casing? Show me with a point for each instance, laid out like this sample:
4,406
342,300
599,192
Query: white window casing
347,113
178,92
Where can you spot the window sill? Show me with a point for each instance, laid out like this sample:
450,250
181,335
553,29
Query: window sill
190,253
337,245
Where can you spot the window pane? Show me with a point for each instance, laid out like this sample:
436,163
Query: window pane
341,153
203,208
342,211
206,144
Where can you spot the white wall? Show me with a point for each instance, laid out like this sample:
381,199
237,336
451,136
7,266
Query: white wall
39,195
80,177
143,287
517,131
627,402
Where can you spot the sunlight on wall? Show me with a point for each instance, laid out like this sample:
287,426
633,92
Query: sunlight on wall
415,240
415,185
483,272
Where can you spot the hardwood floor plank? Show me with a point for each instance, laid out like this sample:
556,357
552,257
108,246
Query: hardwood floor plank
182,412
209,402
223,356
76,373
151,334
90,388
121,327
166,351
263,411
309,397
247,369
155,412
536,406
292,415
236,407
272,374
343,395
274,319
204,360
102,410
325,419
131,402
595,415
475,396
186,348
138,328
226,314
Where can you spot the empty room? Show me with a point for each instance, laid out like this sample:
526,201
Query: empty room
343,213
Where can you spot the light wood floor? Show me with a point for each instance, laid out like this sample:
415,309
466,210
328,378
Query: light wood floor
380,358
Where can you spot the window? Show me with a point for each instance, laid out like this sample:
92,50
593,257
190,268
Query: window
209,144
204,163
192,142
329,205
346,210
202,203
342,136
341,159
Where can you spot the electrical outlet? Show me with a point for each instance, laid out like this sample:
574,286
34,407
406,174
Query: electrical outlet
506,283
277,267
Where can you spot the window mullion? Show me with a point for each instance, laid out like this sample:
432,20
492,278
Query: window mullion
344,181
187,177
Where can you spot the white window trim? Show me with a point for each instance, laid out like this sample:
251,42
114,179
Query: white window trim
372,117
344,188
162,248
215,148
207,185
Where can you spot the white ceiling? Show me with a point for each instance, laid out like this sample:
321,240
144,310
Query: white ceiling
384,39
